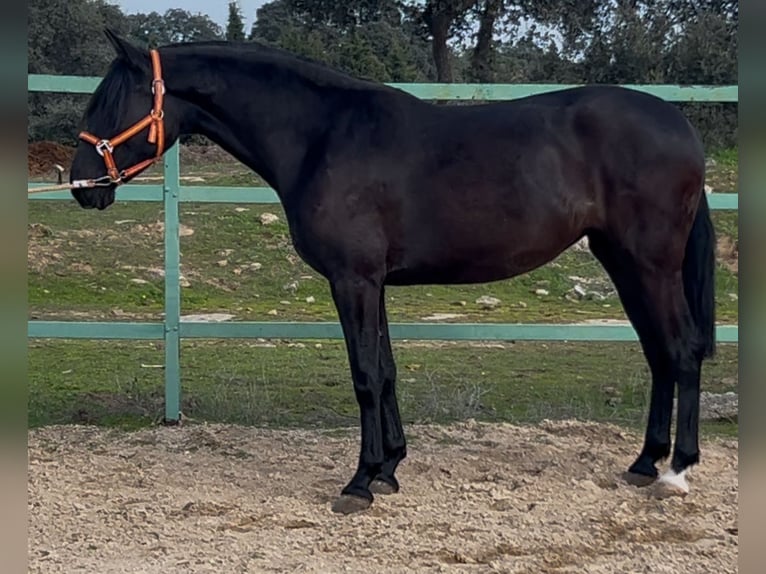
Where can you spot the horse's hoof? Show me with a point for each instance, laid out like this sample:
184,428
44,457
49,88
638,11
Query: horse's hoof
639,480
349,504
671,484
382,487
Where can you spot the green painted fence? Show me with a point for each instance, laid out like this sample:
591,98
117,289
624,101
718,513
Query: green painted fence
171,193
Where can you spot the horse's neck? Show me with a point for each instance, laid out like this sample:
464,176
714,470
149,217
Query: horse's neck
267,127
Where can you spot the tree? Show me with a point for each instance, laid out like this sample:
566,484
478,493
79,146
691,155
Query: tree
235,27
77,47
66,36
442,18
368,38
174,26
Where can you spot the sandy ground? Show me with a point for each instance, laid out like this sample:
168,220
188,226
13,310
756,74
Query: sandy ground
475,498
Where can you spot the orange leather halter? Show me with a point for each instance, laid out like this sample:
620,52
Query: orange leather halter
154,121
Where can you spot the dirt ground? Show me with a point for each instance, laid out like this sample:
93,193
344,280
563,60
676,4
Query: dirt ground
475,498
42,156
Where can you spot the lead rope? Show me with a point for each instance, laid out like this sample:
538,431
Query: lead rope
78,184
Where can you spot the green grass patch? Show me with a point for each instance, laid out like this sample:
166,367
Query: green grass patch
722,173
110,264
307,383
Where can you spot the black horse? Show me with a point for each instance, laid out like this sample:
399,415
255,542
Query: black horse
381,188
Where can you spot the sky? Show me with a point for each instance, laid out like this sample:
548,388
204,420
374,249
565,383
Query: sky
217,10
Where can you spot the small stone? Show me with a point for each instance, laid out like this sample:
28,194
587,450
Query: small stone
268,218
310,299
272,312
487,302
541,292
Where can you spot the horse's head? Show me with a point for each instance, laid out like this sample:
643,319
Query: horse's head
124,126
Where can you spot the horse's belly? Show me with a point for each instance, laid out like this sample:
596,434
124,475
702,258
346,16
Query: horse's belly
477,265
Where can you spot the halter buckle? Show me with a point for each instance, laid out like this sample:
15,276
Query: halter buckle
104,145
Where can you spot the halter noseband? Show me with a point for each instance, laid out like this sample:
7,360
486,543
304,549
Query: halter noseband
154,120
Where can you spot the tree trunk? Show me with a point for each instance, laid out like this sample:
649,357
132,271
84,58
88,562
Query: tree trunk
439,15
482,56
439,26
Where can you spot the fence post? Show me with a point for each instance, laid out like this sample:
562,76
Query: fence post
171,191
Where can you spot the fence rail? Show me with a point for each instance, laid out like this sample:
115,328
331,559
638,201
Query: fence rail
172,329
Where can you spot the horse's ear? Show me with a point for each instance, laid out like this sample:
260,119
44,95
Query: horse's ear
133,55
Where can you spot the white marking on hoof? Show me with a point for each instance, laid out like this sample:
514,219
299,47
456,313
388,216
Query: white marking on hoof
672,484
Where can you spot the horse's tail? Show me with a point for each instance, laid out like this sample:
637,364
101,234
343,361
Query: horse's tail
699,277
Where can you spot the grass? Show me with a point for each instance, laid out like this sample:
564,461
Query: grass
307,384
108,265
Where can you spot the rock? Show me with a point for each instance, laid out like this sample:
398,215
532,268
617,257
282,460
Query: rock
541,292
487,302
581,245
268,218
716,406
208,317
222,263
272,312
310,299
442,316
139,281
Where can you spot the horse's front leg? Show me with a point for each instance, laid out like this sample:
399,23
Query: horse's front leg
357,301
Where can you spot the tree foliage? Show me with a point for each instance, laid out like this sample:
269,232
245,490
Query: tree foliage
515,41
235,27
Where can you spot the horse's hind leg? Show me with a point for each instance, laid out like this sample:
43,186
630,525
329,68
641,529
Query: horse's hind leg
638,306
394,443
654,300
